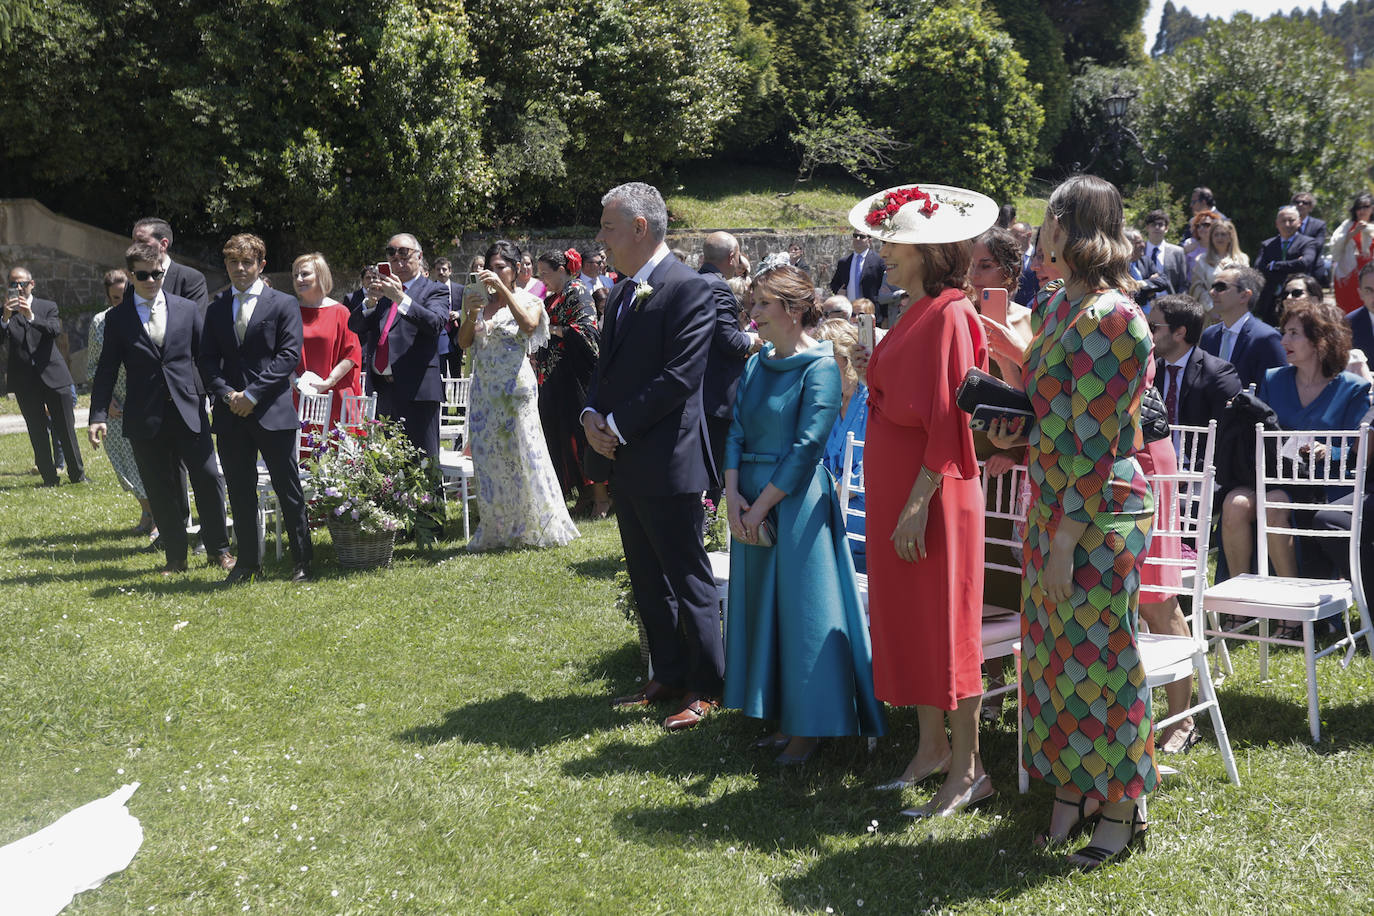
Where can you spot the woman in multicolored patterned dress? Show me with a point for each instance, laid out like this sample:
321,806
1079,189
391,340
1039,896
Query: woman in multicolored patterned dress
1086,717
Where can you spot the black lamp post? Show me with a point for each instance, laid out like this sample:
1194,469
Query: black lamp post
1114,134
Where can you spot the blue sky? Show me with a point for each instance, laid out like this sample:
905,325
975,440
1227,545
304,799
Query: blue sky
1224,8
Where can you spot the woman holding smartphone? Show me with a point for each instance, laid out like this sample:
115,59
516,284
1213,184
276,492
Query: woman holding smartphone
1086,716
925,504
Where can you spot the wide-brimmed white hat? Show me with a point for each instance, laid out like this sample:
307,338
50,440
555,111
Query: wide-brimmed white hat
924,214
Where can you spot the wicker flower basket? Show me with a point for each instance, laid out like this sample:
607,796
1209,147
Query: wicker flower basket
358,549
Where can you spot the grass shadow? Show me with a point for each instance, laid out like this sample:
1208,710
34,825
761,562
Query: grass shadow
1255,719
604,567
518,722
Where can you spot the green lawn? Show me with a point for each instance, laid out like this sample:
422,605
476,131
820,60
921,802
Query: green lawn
434,738
714,196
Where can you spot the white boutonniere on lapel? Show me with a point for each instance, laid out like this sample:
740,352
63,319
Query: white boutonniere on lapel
642,294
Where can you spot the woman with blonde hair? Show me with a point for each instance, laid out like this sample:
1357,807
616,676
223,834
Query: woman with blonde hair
1087,726
1223,250
330,351
853,418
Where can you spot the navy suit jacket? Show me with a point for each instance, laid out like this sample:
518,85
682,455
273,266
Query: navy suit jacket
188,283
648,375
1258,349
729,350
262,365
1302,259
1362,331
155,379
34,360
1315,229
870,278
1208,382
413,341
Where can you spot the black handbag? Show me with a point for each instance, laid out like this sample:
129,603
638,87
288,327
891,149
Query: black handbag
1154,416
981,390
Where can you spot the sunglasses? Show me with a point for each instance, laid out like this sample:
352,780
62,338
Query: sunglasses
860,235
1295,294
1161,326
21,284
399,252
1220,287
144,276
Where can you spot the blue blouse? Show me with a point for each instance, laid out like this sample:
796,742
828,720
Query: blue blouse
1341,404
854,420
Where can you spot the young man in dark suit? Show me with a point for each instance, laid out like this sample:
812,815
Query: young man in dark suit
450,363
249,349
863,280
1241,339
1162,265
178,279
156,339
730,348
39,377
1361,320
1195,384
645,424
1290,252
398,319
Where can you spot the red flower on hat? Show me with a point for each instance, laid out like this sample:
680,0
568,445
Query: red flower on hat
885,208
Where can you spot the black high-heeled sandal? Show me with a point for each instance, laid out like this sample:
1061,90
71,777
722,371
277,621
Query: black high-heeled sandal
1097,856
1084,823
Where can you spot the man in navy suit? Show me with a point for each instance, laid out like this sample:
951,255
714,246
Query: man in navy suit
859,274
1362,319
39,377
156,339
1310,226
1195,384
398,318
250,347
450,361
645,424
178,279
1162,266
730,348
1290,252
1241,339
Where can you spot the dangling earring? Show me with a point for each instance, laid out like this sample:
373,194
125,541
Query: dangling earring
1053,258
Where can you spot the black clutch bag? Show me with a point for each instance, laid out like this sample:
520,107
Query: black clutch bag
988,395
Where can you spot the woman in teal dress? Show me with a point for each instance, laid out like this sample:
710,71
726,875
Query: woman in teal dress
797,649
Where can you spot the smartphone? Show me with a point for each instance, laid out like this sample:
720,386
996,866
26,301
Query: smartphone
866,335
384,268
995,304
983,416
474,289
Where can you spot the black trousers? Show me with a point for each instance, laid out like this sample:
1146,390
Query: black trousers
420,418
37,403
718,428
240,440
674,589
159,461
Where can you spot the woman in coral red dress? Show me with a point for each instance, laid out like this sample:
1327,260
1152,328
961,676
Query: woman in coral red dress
925,503
330,349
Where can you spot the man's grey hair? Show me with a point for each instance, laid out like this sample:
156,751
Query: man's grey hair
838,304
1287,207
1248,278
639,199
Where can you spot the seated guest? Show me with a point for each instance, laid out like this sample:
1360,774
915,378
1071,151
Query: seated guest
837,307
1362,319
1298,286
797,647
330,350
1195,384
1290,252
1200,239
1240,338
853,418
1310,393
1223,249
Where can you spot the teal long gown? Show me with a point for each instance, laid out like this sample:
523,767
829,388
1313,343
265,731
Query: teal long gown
796,647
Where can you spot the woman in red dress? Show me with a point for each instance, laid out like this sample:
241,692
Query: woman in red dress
331,350
925,503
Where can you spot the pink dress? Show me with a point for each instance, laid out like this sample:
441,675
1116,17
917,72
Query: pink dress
327,341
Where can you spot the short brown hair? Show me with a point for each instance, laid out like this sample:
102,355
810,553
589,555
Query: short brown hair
246,245
113,276
944,265
794,288
1096,252
1327,330
322,272
142,251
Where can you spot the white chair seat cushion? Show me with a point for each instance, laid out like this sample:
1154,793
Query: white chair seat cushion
1279,598
720,567
999,633
1167,658
454,463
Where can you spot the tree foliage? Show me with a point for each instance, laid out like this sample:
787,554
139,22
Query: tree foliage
1351,24
1042,45
1107,32
954,89
1241,112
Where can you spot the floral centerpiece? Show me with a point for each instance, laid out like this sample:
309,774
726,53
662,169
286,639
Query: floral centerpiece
371,480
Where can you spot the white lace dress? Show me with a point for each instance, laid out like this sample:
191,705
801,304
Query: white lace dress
518,497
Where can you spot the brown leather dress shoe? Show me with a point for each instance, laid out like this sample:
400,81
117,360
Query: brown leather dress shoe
653,692
224,561
697,708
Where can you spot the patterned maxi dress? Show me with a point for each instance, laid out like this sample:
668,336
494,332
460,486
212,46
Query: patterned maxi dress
116,446
518,498
1086,718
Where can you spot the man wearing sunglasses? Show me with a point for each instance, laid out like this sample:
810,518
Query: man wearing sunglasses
1289,252
155,338
38,375
1241,339
178,279
859,274
398,316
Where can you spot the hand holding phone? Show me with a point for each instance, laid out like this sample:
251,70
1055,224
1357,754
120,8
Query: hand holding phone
994,304
866,333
